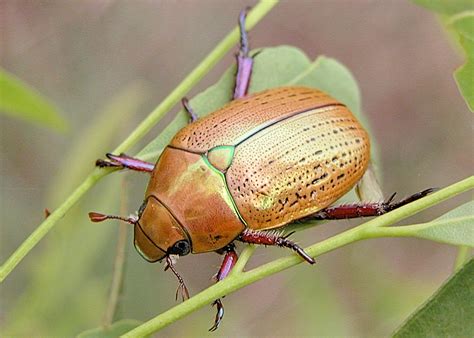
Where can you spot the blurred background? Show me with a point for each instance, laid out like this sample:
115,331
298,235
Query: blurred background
107,64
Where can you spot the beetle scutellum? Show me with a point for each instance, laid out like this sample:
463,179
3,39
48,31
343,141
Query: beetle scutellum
260,162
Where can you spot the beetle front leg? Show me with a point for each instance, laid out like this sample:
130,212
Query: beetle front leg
228,263
125,161
244,61
273,238
356,210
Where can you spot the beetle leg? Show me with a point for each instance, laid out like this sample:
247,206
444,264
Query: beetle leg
182,289
244,61
191,114
355,210
125,161
273,238
228,263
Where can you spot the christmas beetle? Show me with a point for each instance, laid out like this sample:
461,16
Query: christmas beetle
257,164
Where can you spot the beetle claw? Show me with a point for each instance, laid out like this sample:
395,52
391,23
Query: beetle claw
219,315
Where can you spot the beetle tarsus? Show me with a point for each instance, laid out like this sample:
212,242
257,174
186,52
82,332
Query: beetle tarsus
192,116
219,314
273,238
356,210
125,161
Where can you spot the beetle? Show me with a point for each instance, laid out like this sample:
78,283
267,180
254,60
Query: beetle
259,163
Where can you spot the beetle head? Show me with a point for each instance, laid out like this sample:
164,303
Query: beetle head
157,233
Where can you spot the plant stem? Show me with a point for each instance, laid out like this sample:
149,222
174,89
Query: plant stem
119,262
244,257
238,280
258,12
49,222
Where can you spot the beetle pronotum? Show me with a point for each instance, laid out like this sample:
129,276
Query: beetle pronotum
257,164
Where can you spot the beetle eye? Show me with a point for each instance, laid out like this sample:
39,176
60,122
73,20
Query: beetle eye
181,248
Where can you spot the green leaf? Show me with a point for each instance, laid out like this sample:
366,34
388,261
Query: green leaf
448,313
272,67
464,75
448,7
19,100
115,330
458,18
335,79
455,227
463,23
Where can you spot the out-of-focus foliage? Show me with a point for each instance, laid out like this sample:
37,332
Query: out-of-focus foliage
72,257
20,100
458,17
449,312
115,330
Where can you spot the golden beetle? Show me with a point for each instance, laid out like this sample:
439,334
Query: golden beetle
259,163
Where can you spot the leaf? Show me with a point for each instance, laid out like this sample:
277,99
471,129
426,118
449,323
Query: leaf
458,18
19,100
464,75
455,227
335,79
115,330
272,67
448,313
463,23
449,7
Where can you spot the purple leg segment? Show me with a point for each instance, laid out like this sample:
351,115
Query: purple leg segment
228,263
192,115
356,210
244,61
125,161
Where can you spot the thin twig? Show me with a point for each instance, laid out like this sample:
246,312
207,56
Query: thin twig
119,262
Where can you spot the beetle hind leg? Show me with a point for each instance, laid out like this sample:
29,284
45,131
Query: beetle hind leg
273,238
357,210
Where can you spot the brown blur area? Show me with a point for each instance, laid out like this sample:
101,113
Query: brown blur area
81,54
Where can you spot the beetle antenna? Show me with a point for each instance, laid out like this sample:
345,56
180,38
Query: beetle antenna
98,217
182,286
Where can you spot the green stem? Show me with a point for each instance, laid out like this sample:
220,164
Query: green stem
49,222
240,279
244,257
258,12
